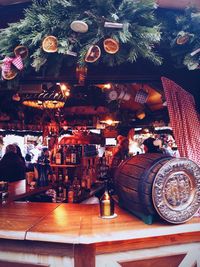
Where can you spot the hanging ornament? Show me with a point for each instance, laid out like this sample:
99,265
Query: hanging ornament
111,46
8,61
16,97
113,25
8,72
93,54
71,53
195,52
81,73
21,51
140,114
79,26
182,38
50,44
9,75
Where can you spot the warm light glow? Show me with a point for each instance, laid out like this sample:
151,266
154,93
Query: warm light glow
62,216
67,93
140,115
107,86
109,122
146,130
63,87
44,104
52,98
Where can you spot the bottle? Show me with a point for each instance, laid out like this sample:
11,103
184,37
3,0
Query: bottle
58,157
60,189
68,156
76,188
73,155
70,195
88,179
66,186
106,205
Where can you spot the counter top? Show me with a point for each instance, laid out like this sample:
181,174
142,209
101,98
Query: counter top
80,224
17,218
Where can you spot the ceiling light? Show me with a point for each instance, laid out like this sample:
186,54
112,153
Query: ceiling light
140,114
109,122
51,98
107,86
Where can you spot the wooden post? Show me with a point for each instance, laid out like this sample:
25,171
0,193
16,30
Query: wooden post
84,255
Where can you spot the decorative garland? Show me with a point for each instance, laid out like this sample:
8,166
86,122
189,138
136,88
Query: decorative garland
83,32
181,36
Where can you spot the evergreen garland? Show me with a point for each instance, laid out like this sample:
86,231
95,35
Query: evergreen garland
182,24
142,33
138,37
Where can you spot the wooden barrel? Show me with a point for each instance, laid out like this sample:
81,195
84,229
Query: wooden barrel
156,184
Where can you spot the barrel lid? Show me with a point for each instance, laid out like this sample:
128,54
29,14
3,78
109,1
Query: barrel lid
176,190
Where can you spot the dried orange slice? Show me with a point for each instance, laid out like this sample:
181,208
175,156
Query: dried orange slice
79,26
111,46
182,39
9,75
22,51
50,44
93,54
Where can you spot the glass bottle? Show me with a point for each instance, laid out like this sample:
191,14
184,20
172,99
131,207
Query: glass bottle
60,191
76,189
73,155
70,195
66,185
59,156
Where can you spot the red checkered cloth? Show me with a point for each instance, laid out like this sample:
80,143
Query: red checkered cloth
141,96
184,120
8,61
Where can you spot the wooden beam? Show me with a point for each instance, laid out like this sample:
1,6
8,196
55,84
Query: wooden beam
84,255
164,261
178,4
142,243
12,2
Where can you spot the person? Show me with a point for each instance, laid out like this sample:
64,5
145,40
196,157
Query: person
150,147
12,167
19,153
44,168
29,165
121,153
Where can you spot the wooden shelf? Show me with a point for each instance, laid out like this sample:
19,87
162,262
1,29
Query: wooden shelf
64,165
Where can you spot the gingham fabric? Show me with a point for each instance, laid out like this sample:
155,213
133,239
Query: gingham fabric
141,96
6,67
17,62
184,120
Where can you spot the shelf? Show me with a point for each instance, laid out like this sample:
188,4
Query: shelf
64,165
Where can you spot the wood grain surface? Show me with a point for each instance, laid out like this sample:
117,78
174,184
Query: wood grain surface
81,224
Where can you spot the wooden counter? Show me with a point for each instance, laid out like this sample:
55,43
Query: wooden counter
48,227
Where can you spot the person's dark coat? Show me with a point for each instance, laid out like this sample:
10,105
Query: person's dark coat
12,167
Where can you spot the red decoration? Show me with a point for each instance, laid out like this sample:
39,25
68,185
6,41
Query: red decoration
81,73
184,120
8,61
